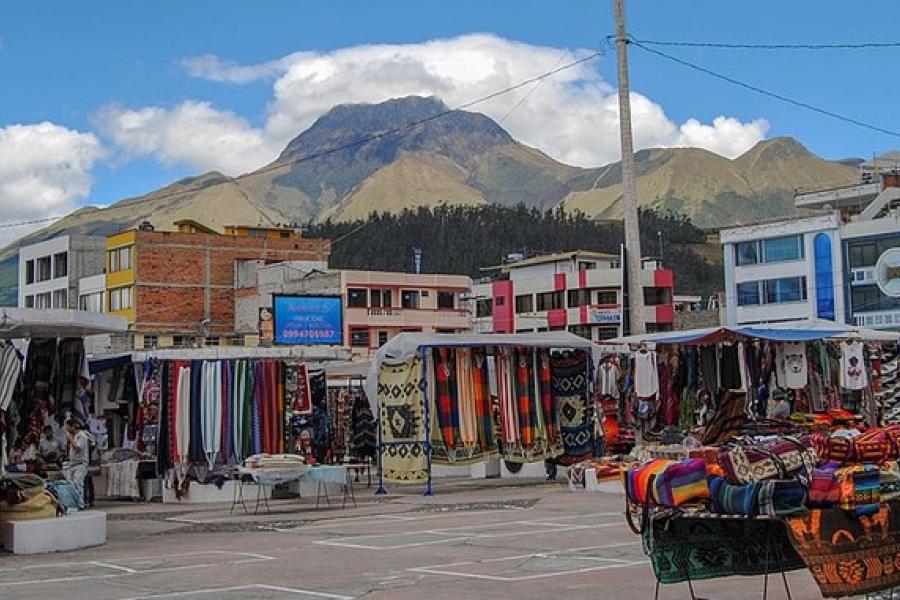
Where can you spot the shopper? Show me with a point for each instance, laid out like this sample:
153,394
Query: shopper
76,467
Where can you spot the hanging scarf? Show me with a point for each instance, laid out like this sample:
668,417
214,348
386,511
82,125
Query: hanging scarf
183,415
481,389
525,397
548,405
445,401
507,396
255,424
468,412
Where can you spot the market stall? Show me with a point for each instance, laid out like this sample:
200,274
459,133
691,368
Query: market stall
459,399
790,459
44,404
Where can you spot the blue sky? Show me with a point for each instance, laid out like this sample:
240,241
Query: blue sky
92,69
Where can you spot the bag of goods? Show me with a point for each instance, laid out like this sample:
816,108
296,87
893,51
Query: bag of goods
730,499
747,461
781,498
636,480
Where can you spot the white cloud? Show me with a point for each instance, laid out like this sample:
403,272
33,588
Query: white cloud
194,133
572,116
44,169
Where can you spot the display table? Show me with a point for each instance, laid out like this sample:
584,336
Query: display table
35,536
266,479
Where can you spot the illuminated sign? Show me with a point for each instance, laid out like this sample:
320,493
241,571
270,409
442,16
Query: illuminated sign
308,320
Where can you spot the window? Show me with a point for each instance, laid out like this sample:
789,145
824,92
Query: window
446,300
60,265
581,330
120,299
359,337
579,298
587,265
658,327
182,341
607,297
29,301
212,340
119,259
60,299
91,302
380,298
382,338
788,289
748,293
484,308
746,253
356,297
150,341
550,301
29,271
656,296
607,333
409,299
524,303
500,300
863,255
783,248
42,300
43,269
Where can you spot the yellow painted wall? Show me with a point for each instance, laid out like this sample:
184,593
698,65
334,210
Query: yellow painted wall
124,277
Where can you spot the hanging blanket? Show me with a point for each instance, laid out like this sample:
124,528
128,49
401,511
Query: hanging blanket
481,390
195,445
570,391
849,555
705,548
524,430
299,396
455,427
402,424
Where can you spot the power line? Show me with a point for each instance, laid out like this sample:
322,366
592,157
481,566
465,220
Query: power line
31,222
731,46
764,92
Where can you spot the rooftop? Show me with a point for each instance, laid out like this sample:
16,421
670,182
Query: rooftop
561,256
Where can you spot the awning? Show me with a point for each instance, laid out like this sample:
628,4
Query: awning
787,332
98,365
349,370
22,323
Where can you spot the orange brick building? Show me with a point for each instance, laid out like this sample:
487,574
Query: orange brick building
176,287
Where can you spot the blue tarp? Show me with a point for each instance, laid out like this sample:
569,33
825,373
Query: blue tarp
107,363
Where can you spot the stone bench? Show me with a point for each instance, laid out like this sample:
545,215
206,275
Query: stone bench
36,536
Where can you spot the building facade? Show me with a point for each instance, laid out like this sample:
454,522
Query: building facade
581,292
842,265
49,271
376,305
178,287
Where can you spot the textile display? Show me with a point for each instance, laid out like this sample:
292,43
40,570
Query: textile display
608,379
849,555
365,430
570,379
458,406
853,366
299,395
681,482
790,365
729,418
211,409
402,422
182,414
646,376
683,548
195,442
522,421
10,371
121,479
481,389
68,369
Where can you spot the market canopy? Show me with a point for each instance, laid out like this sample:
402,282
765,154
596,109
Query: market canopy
776,332
349,370
21,323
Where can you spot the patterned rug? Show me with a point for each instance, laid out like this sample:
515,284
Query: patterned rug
570,391
849,555
402,423
705,548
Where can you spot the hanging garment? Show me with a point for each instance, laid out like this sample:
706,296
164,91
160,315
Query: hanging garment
481,388
195,449
730,368
548,402
67,372
608,377
525,396
10,371
38,371
402,422
509,420
790,361
646,376
226,447
446,436
163,433
365,433
256,383
570,378
468,417
853,366
183,416
299,396
709,369
212,410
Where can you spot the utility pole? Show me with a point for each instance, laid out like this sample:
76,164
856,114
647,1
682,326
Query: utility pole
635,289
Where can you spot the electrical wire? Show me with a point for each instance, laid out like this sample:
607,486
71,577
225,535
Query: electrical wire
764,92
732,46
31,222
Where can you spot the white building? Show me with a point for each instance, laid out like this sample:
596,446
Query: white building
91,293
842,265
49,271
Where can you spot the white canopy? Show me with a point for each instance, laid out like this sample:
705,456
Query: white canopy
308,354
21,323
405,346
349,370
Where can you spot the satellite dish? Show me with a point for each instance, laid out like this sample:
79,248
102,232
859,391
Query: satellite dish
887,273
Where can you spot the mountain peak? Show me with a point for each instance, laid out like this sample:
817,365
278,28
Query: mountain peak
774,149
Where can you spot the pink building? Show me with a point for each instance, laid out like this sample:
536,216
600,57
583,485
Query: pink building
577,291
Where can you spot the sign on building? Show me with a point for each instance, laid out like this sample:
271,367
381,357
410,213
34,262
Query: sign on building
308,320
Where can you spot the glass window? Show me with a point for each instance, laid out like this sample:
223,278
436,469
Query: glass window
60,265
386,300
550,301
746,253
607,297
29,271
524,303
375,298
150,341
783,248
579,298
581,330
356,297
382,338
120,299
409,299
748,293
587,265
500,301
60,299
359,337
29,301
863,255
607,333
484,308
446,300
787,289
656,296
42,300
43,269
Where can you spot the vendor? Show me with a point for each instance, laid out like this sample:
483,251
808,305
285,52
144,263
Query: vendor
782,408
76,467
50,450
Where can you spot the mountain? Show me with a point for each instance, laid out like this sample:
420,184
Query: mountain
458,158
710,189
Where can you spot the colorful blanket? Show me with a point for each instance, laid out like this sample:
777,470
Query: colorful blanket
402,424
570,392
849,555
684,548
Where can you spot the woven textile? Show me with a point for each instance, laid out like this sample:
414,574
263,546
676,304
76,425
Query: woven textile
570,391
846,554
481,390
548,402
446,435
296,384
402,422
685,548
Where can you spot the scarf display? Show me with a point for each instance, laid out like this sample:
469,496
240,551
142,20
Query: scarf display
481,390
402,422
570,378
849,555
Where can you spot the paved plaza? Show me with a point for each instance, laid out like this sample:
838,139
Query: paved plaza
474,539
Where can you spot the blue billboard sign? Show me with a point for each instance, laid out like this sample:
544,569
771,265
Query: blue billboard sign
308,320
